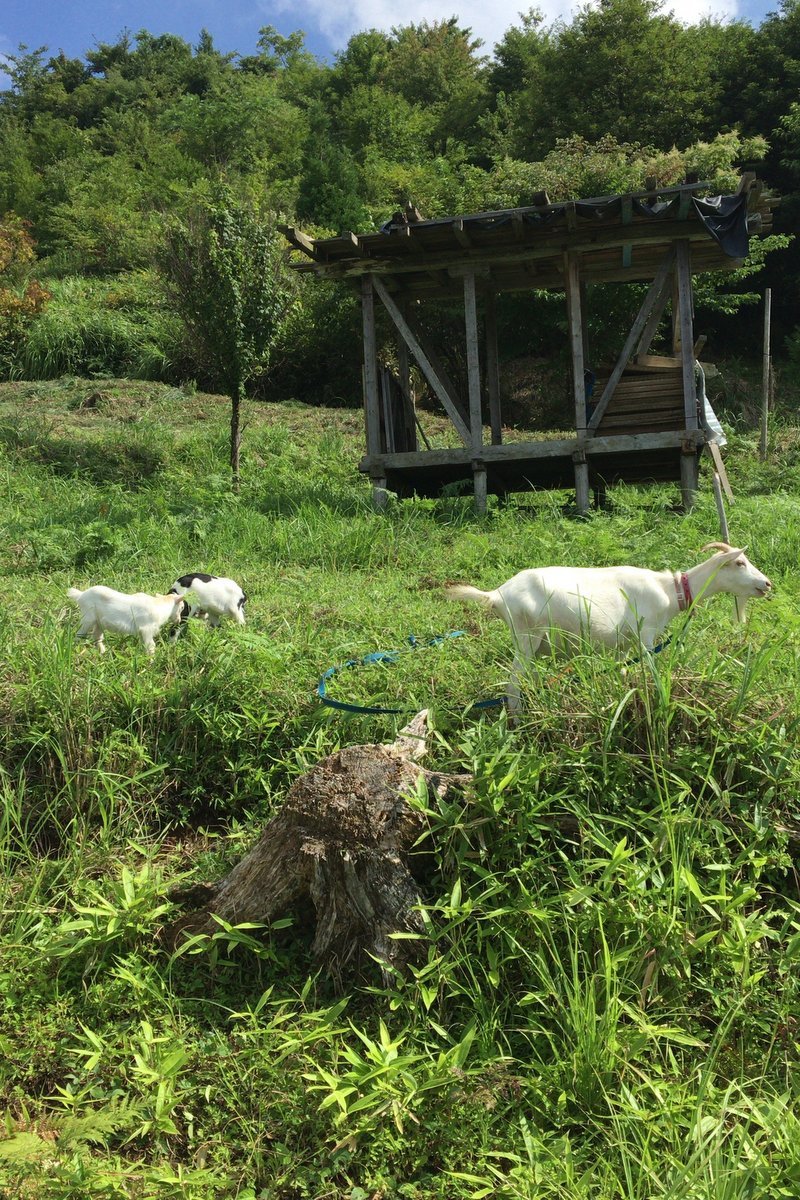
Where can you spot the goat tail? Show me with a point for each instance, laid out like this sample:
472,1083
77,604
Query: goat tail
74,593
463,591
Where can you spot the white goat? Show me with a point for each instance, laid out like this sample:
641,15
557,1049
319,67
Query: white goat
551,607
218,597
104,610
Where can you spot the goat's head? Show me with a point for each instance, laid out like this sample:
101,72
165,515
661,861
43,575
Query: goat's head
176,612
733,572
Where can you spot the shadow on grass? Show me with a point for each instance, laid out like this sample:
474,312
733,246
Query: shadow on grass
130,463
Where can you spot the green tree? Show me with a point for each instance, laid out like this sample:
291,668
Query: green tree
331,187
438,66
226,277
621,68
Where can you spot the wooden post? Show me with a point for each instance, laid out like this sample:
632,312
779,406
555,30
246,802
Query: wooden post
388,415
372,410
474,384
723,529
582,291
575,320
686,334
765,374
676,308
404,373
689,464
493,370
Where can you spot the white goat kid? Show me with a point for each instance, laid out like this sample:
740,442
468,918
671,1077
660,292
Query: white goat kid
217,597
103,610
553,607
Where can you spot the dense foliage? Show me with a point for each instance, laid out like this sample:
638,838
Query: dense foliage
96,152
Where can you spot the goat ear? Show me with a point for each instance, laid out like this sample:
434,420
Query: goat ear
730,552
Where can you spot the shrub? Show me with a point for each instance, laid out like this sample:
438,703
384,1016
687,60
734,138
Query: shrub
99,327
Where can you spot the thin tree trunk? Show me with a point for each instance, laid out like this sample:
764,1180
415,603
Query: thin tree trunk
236,434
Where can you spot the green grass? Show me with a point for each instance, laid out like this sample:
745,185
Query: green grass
605,1006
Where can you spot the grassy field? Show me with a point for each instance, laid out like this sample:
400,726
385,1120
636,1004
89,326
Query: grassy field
608,1003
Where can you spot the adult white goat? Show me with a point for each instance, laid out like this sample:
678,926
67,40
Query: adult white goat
105,610
217,596
551,607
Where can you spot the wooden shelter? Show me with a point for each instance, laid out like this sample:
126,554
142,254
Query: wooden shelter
637,420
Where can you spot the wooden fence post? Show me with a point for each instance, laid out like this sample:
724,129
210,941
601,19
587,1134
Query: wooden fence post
765,374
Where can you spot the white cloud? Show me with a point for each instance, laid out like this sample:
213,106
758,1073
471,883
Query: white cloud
338,20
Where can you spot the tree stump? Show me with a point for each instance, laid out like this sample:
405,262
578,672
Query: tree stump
343,838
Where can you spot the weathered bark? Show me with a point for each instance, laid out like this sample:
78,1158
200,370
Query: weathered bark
343,838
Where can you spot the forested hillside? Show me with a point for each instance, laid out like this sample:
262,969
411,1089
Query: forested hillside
100,156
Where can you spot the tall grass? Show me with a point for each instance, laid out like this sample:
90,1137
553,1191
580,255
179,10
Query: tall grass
97,327
604,1001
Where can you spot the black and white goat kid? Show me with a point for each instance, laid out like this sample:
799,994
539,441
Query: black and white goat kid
216,597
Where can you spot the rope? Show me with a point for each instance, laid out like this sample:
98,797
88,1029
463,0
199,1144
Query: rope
391,656
388,656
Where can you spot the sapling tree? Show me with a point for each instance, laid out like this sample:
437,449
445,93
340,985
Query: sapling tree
226,276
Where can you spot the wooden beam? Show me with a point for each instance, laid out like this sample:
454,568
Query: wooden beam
684,276
632,340
479,481
689,480
424,362
298,239
719,469
473,361
689,461
550,246
493,369
388,415
572,279
479,485
372,418
404,374
596,448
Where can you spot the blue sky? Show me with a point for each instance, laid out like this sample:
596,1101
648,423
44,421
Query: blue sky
77,25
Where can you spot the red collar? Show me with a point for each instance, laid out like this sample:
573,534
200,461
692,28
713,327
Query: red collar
683,591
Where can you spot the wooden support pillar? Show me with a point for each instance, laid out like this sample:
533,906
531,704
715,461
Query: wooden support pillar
474,385
689,461
690,472
404,374
575,320
493,370
428,369
584,322
372,399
